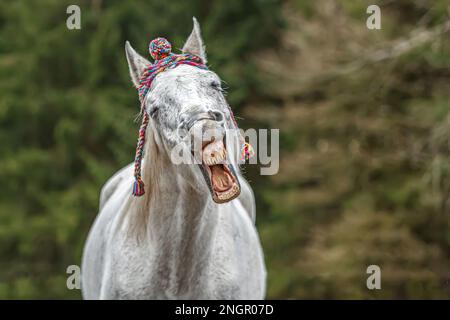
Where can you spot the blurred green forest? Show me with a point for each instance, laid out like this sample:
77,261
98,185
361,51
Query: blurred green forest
364,118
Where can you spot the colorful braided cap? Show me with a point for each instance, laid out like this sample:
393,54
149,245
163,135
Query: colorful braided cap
161,50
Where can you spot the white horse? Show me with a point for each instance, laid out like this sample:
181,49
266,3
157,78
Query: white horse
192,235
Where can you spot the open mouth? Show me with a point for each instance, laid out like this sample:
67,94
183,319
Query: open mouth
219,173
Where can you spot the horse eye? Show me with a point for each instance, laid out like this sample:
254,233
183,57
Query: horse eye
152,112
216,85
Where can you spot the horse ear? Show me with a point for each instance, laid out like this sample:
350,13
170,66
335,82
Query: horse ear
194,44
136,63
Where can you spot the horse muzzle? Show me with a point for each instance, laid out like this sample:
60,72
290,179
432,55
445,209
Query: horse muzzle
218,171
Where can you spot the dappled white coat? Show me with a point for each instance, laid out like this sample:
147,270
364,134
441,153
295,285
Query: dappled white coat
174,242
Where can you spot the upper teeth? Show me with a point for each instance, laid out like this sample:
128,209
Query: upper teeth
215,157
214,153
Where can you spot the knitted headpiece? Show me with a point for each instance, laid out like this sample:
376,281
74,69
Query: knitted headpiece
160,50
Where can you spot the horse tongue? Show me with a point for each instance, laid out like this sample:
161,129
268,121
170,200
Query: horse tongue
221,180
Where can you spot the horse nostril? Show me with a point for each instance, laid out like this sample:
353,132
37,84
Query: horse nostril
183,118
218,116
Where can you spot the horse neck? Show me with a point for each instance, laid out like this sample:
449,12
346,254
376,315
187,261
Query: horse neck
180,220
178,209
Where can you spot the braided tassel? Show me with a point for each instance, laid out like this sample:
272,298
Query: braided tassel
138,187
247,151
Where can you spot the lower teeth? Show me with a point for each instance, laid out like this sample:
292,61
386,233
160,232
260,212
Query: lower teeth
228,194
